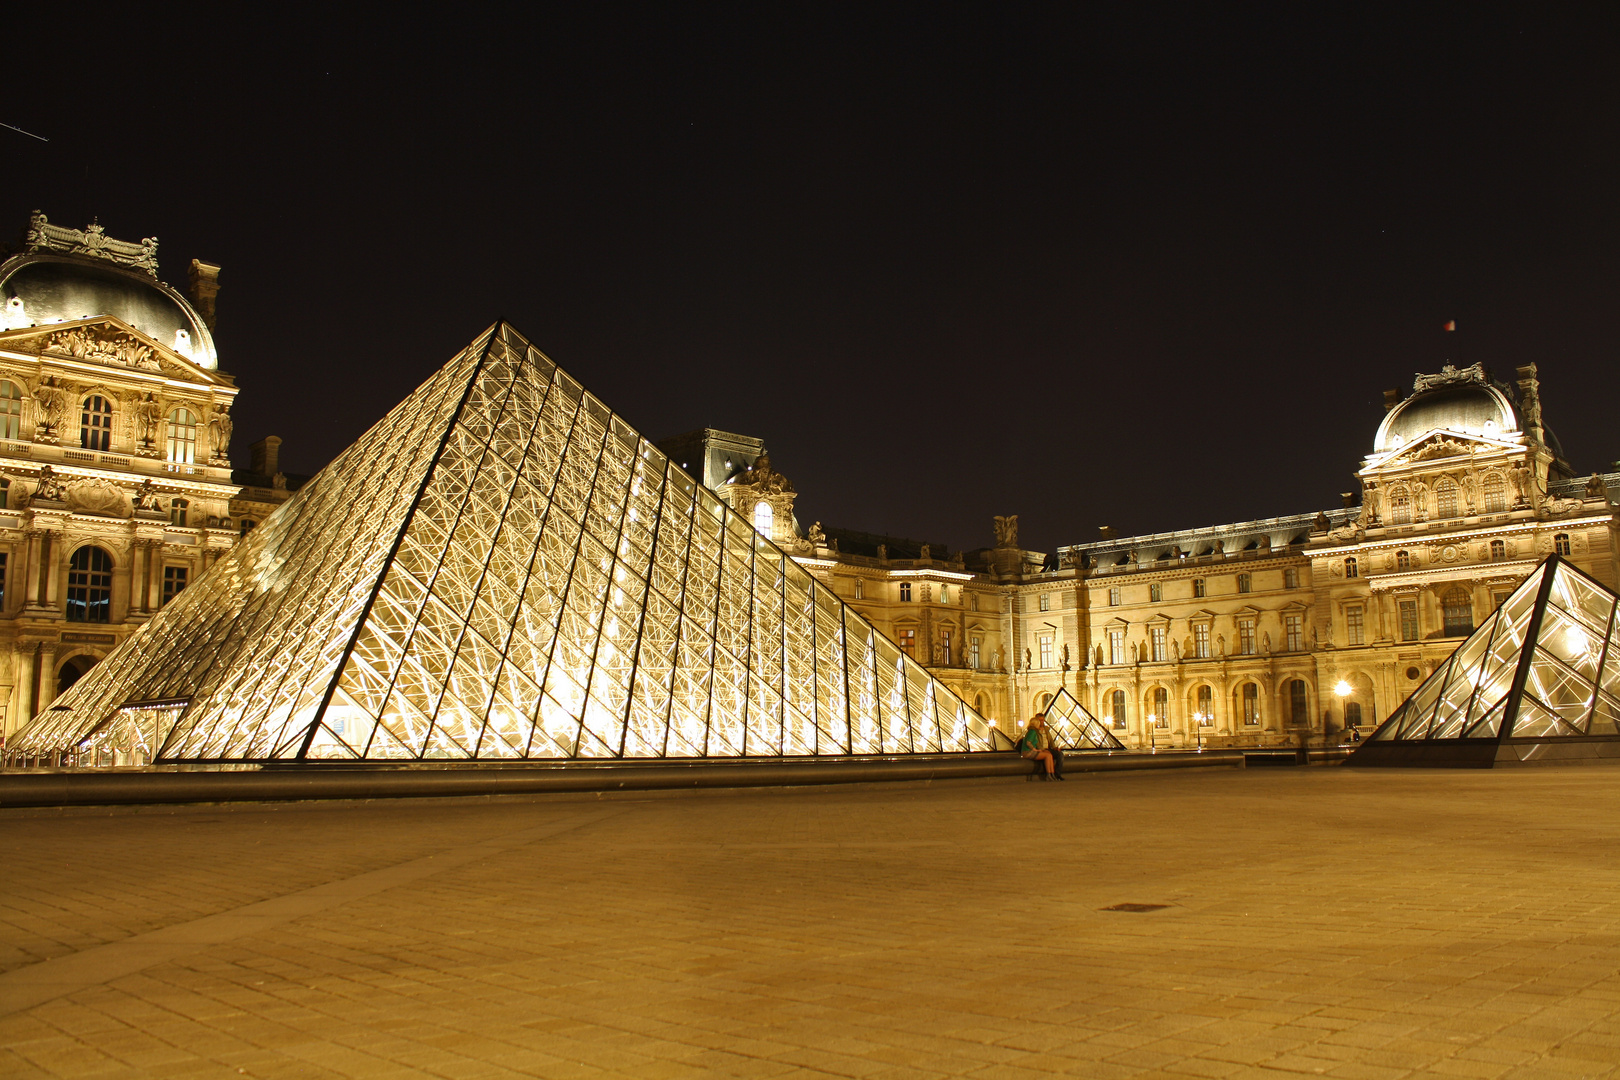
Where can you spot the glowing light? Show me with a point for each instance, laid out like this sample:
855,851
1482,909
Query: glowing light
1344,689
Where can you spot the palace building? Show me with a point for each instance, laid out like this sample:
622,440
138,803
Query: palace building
116,488
1254,632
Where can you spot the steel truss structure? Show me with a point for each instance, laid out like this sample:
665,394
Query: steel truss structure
502,569
1072,726
1539,680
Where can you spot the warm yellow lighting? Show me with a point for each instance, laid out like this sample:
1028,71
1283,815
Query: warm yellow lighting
1344,689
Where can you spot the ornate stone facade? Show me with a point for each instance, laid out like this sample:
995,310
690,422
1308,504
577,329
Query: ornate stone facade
115,478
1258,632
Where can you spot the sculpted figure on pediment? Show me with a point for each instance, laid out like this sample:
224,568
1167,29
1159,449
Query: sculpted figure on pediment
48,487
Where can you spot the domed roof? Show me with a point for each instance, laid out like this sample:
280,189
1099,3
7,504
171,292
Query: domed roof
69,274
1459,401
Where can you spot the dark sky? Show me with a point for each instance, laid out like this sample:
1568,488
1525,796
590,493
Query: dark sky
1142,265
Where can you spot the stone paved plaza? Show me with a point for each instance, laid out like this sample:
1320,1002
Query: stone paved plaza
1364,924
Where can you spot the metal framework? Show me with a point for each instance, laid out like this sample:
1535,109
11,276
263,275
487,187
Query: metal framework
1539,680
1074,728
502,569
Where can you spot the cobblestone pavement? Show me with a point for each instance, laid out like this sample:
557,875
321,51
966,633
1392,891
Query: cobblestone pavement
1328,922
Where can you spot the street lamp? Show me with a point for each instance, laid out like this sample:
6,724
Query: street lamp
1343,689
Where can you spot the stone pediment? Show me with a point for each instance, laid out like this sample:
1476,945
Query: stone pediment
1444,445
109,342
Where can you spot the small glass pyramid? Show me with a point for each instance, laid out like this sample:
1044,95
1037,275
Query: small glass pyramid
502,569
1072,727
1538,680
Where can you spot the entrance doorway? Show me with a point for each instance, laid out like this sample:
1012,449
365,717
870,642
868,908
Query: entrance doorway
72,670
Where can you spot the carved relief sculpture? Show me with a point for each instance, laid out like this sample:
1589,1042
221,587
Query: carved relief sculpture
1006,531
48,487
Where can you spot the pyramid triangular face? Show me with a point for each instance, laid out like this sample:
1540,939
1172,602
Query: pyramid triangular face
503,569
1545,667
1074,728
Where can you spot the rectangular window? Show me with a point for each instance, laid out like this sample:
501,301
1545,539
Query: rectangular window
1113,596
860,589
973,601
907,640
945,647
1245,637
1205,714
1156,593
1201,640
1245,583
1046,601
1116,646
174,581
1355,632
1046,650
1409,620
973,654
1119,710
1291,577
1297,705
1198,587
1294,632
1251,703
1156,635
905,592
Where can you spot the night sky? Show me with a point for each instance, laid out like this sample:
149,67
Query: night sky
1139,265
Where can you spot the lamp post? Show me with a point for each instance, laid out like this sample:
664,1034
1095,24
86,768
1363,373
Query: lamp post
1199,720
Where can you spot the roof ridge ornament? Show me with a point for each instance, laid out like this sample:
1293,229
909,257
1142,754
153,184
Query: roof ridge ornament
92,242
1450,375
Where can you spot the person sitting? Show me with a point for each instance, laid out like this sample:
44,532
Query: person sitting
1036,745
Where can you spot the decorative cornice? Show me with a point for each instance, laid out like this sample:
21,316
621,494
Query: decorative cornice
1450,375
91,242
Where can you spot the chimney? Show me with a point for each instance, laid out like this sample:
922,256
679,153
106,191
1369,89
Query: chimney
266,455
204,288
1392,398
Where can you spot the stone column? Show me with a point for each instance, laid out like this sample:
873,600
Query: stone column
31,575
140,556
25,682
47,674
154,576
53,571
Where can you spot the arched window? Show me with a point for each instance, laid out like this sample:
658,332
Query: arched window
1498,549
1206,706
177,511
1561,543
1458,610
10,410
1352,714
1445,498
89,593
183,436
1403,560
1495,494
1119,710
1251,703
1161,707
247,525
1350,568
1042,702
1400,507
981,705
95,423
1297,708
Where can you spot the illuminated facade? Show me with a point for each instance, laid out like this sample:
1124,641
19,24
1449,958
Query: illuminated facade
115,487
1258,632
503,569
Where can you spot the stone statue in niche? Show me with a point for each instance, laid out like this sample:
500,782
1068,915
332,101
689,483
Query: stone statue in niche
924,554
1265,643
52,401
1136,654
1220,644
1320,523
219,430
883,553
1175,651
148,415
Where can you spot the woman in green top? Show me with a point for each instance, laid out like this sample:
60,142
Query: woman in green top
1036,746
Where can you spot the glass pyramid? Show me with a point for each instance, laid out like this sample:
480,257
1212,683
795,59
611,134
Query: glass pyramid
503,569
1072,727
1539,679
